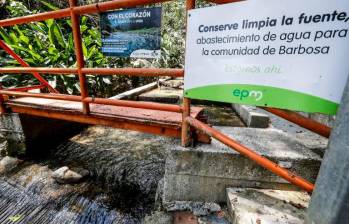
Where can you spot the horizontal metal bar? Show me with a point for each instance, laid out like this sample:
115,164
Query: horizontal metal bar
86,9
18,70
173,72
26,88
43,95
134,104
302,121
100,120
113,102
262,161
36,17
110,5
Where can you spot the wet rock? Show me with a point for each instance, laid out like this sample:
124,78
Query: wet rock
64,175
3,145
159,218
7,164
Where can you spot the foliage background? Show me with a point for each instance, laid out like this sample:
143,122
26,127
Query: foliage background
50,44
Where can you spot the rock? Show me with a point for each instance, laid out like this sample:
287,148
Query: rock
66,176
7,164
197,208
159,217
255,206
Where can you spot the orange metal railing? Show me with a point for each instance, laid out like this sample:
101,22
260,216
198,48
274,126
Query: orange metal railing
187,121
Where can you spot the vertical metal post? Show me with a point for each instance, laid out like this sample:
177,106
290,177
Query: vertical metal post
79,55
330,200
190,4
185,136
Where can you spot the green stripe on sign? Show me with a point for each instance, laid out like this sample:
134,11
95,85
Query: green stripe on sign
263,96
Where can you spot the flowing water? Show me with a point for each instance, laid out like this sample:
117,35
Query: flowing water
125,169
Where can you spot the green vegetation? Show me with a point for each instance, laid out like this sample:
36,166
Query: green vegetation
50,44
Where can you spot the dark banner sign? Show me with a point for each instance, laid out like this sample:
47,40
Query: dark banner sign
131,33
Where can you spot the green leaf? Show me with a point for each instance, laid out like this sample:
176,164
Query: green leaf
57,31
93,50
14,38
33,53
48,5
70,41
84,20
39,43
24,39
84,49
55,34
5,36
49,22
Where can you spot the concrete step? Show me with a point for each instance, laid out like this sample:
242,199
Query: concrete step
203,173
251,116
256,206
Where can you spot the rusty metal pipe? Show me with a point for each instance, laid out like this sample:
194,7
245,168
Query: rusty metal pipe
113,102
42,95
4,46
173,72
79,54
185,135
18,70
78,10
262,161
110,5
36,17
134,104
190,4
97,119
302,121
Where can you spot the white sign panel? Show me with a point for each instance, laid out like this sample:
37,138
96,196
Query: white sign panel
290,54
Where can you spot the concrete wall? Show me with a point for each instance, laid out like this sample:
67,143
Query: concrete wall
21,134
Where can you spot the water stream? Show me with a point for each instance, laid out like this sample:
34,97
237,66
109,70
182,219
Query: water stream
125,168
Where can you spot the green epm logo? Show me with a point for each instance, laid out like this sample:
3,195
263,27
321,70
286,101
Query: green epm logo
244,94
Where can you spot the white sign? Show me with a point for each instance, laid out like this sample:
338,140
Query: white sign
290,54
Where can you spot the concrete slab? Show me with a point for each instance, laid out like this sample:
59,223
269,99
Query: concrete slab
203,173
266,206
251,117
162,95
222,115
312,140
131,94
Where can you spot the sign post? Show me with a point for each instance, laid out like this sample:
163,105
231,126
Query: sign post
291,55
